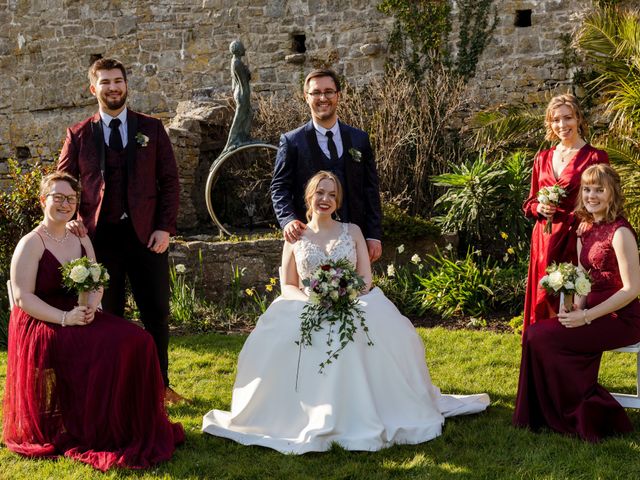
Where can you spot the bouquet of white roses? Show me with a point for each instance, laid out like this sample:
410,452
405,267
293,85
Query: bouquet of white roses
84,275
566,279
551,196
333,298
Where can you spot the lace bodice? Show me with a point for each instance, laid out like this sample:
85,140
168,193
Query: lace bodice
598,257
309,256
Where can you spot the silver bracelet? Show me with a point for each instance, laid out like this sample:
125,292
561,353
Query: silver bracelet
64,319
584,317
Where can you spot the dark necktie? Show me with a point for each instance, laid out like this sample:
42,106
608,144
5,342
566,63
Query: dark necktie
333,151
115,139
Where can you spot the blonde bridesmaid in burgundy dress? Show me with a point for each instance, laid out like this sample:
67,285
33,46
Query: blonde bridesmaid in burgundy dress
562,165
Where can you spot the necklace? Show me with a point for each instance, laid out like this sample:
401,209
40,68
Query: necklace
48,234
566,152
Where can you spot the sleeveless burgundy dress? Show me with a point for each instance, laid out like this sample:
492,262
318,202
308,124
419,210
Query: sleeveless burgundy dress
93,393
558,386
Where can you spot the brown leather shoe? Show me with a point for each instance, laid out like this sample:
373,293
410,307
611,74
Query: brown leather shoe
171,397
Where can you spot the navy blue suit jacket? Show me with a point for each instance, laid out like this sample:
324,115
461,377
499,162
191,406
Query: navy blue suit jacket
299,157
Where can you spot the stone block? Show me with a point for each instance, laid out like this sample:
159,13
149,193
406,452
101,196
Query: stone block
104,28
370,48
126,25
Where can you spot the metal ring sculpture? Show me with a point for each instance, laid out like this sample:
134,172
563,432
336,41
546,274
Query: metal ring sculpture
215,170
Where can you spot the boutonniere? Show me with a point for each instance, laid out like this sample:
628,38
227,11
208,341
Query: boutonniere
355,154
141,139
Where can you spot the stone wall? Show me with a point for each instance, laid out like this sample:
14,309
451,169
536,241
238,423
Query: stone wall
528,64
177,51
213,261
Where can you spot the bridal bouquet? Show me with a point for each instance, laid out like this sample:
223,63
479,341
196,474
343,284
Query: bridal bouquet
551,196
84,275
333,298
566,279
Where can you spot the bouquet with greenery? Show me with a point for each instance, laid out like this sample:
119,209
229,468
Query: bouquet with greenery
83,275
333,298
566,279
551,196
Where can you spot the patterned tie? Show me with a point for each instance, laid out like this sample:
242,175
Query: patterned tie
115,139
333,151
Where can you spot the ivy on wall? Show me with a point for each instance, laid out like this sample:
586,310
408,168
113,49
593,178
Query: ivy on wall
420,35
477,22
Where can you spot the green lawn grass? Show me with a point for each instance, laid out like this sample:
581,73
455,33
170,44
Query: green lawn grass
480,446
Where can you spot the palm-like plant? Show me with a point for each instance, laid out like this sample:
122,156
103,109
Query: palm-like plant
610,42
509,127
481,194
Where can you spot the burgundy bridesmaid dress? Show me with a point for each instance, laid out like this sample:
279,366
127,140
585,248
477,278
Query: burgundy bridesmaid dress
93,393
560,244
558,386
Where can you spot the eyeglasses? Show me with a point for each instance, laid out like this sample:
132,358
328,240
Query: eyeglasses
60,198
329,94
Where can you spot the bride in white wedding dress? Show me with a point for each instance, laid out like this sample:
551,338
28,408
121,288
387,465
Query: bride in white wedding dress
370,397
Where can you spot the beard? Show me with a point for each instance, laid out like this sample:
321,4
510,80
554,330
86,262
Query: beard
114,104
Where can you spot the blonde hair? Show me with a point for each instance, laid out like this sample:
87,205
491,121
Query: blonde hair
312,186
605,176
572,102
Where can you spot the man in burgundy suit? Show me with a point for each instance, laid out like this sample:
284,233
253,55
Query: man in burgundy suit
129,202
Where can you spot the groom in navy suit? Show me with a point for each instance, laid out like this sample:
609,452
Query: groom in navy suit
325,143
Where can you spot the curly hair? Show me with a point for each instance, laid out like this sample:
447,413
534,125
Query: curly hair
605,176
572,102
105,64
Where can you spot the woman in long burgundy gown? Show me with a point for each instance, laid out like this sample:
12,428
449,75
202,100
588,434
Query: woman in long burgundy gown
558,386
562,165
80,382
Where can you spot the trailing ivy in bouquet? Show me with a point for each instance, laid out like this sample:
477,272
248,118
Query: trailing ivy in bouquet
333,298
84,276
566,279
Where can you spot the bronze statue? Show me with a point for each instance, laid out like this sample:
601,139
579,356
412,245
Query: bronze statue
240,131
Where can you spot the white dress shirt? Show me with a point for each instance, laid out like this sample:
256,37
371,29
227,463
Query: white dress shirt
321,135
106,120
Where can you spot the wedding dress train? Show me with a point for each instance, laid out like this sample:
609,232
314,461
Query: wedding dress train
369,398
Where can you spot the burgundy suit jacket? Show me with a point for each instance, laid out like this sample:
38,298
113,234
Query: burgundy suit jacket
152,174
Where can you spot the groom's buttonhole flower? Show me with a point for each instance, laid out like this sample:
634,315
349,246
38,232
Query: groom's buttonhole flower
142,139
355,154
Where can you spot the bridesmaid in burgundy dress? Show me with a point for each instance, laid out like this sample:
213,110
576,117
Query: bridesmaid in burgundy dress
558,386
562,165
80,382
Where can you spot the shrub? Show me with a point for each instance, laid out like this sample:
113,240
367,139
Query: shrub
400,282
458,286
20,209
397,224
483,200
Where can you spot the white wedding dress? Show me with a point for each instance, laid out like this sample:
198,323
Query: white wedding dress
369,398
